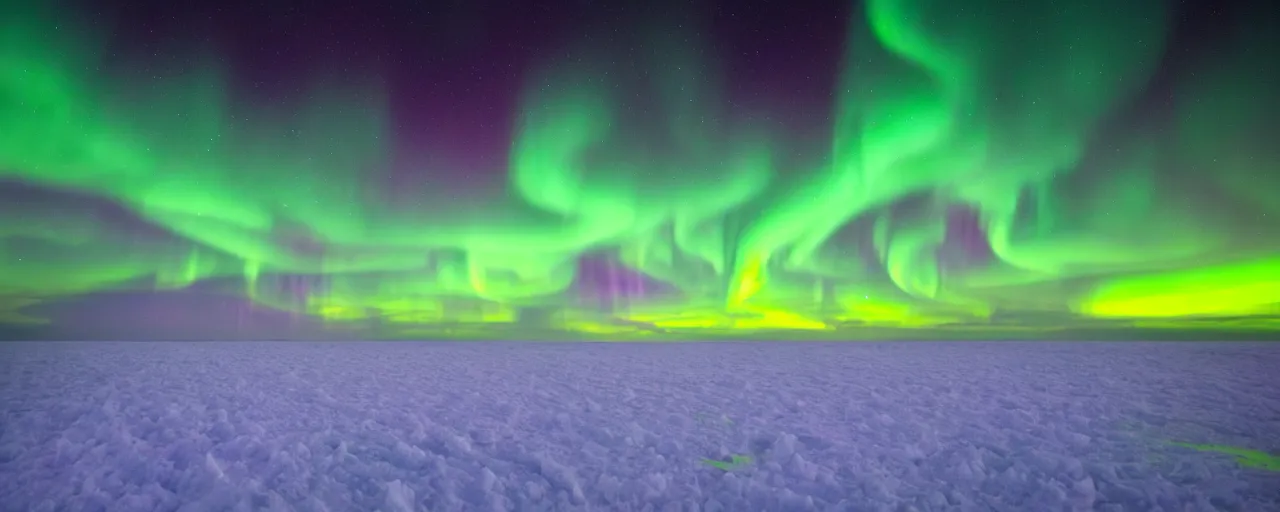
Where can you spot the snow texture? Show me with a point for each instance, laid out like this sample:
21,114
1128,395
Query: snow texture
399,427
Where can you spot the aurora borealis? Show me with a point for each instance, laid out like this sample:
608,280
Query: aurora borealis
974,168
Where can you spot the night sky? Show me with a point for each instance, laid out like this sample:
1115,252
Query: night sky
485,169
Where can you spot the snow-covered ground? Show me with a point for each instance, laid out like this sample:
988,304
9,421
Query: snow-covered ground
617,427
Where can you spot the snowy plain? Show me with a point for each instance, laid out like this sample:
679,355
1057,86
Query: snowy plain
399,427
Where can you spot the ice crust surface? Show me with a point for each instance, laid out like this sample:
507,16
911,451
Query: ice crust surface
399,427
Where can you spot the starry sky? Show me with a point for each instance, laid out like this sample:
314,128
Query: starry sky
622,170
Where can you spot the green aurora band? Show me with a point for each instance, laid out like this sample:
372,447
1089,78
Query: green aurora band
999,107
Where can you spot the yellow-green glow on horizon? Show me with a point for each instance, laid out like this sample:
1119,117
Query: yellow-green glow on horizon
1240,289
